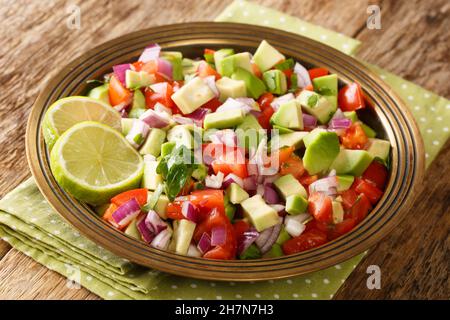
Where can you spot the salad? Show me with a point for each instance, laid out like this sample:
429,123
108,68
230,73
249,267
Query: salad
231,155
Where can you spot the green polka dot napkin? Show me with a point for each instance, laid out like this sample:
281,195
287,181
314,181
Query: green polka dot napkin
29,224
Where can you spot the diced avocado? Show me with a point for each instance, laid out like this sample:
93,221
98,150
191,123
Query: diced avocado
352,115
181,135
353,162
287,185
370,133
296,204
229,88
200,172
282,130
189,66
275,81
138,105
100,93
175,59
327,86
321,150
219,55
249,133
344,182
151,179
289,115
249,122
236,194
230,209
252,252
184,231
283,236
167,147
133,231
153,143
260,214
312,136
267,56
224,119
127,123
228,65
285,64
294,139
379,148
161,205
192,95
138,79
338,212
275,251
255,86
316,105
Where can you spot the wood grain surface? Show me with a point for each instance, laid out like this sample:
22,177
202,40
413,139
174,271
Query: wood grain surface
413,43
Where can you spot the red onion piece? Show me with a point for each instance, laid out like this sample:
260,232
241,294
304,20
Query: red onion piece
126,212
214,181
252,168
162,239
230,178
270,195
255,113
232,104
151,52
303,79
193,251
159,107
154,223
260,190
270,179
277,207
218,236
248,237
146,234
227,137
277,102
189,211
326,185
274,232
250,183
120,70
309,121
204,244
210,81
338,114
198,116
248,101
153,119
138,129
294,225
340,123
165,68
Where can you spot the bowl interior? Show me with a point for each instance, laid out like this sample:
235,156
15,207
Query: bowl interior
388,116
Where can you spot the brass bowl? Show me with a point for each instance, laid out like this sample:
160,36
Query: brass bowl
389,117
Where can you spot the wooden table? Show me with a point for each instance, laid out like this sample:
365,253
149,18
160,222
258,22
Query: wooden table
413,43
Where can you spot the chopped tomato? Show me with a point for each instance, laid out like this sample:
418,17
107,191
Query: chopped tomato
150,67
264,117
118,94
306,179
307,240
107,216
369,189
265,100
319,205
354,137
293,165
137,65
288,73
360,209
204,70
209,51
207,200
282,154
174,210
162,93
309,87
349,198
351,97
317,72
341,228
139,194
230,161
256,71
212,104
240,226
376,173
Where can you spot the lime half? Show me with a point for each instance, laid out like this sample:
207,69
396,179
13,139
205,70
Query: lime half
94,162
66,112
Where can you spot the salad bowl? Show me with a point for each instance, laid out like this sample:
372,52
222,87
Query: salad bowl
387,115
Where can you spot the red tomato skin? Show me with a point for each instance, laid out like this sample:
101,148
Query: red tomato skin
139,194
306,179
204,70
174,210
376,173
265,100
369,189
351,97
212,104
349,198
360,209
118,93
354,137
306,241
341,228
317,72
320,207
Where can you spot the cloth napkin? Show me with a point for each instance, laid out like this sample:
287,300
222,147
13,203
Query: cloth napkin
30,225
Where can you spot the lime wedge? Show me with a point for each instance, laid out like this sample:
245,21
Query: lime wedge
94,162
66,112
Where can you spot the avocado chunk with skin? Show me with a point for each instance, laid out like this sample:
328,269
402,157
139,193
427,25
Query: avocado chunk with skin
138,79
353,162
287,186
259,213
228,65
175,58
224,119
236,194
100,93
151,179
296,204
316,105
167,147
230,88
327,86
219,55
289,115
321,150
192,95
181,135
344,182
255,86
275,81
283,236
138,104
274,251
184,230
379,148
294,139
267,56
153,143
161,205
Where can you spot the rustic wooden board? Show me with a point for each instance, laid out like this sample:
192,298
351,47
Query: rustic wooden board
413,42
